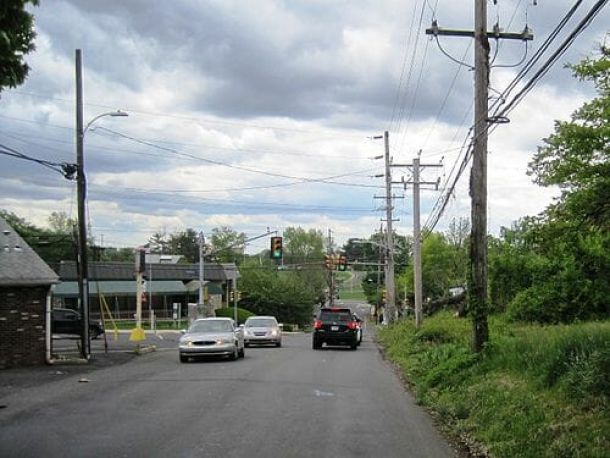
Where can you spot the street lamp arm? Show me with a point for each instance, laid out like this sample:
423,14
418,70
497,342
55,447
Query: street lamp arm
109,113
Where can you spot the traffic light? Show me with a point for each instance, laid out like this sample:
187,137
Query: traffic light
276,248
384,296
342,263
328,261
232,296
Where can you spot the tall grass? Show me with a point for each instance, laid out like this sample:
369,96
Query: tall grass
534,392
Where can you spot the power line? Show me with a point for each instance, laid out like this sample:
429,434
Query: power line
193,118
67,170
237,167
584,23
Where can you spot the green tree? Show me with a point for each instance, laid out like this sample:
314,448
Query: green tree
556,267
576,157
304,250
159,242
16,40
60,222
227,243
185,243
52,246
282,294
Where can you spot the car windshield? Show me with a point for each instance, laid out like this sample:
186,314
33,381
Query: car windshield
261,323
211,326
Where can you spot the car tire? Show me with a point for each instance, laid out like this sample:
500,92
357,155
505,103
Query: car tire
94,332
184,358
278,344
242,353
354,346
247,345
316,345
234,355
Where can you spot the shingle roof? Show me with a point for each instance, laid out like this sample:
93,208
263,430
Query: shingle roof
125,271
128,288
19,263
119,288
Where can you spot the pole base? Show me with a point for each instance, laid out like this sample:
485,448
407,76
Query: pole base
137,335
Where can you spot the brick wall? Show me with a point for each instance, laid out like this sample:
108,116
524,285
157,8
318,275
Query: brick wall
22,326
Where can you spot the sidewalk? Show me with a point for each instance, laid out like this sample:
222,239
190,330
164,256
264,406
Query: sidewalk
38,376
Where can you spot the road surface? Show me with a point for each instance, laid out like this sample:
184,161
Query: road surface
277,402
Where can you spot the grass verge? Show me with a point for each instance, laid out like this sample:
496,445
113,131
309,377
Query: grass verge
355,295
534,392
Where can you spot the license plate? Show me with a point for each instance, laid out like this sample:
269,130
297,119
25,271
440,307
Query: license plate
334,328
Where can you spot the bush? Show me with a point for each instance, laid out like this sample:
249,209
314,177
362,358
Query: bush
229,312
535,391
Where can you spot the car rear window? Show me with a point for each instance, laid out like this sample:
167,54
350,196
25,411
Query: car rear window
329,315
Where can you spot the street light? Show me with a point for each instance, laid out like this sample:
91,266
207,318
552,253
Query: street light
109,113
81,195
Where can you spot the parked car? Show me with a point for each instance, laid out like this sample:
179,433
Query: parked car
212,336
335,326
68,321
262,330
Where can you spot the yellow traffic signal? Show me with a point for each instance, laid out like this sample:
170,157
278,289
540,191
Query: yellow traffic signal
328,261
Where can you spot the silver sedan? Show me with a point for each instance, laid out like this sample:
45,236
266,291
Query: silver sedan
262,330
212,336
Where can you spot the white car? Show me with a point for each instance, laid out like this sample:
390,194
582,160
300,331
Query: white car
262,330
212,336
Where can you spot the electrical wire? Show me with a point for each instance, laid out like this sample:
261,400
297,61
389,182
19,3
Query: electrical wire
238,167
584,23
402,108
195,119
404,64
67,170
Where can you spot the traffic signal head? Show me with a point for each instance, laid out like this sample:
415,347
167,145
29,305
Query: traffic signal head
276,248
328,261
342,263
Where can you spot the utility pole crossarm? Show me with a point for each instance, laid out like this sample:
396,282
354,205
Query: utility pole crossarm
525,35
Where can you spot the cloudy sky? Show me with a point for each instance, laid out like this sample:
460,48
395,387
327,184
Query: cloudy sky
260,114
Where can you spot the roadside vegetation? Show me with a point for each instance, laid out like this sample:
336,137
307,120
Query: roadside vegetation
541,385
535,391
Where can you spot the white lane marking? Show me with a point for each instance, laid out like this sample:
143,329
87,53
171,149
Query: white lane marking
322,393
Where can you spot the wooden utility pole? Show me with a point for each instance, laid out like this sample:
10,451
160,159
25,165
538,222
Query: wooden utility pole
331,282
81,189
390,308
477,279
477,287
417,239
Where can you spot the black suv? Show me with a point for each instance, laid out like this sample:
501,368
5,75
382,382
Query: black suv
68,321
335,326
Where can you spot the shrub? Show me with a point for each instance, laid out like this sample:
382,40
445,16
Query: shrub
228,312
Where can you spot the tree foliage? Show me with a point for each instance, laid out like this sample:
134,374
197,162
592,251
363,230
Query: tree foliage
556,267
444,263
283,294
304,250
16,40
227,243
52,245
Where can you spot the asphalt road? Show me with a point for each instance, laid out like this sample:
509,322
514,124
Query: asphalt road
277,402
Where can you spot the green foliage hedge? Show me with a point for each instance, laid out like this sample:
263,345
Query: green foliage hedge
534,392
229,312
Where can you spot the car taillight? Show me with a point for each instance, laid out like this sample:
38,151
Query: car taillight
317,324
351,325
